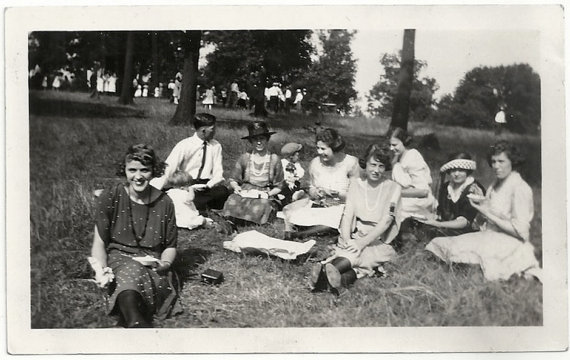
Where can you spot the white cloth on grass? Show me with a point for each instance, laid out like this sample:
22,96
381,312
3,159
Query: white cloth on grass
254,241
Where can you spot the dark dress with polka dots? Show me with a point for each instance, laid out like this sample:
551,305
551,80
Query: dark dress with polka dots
155,225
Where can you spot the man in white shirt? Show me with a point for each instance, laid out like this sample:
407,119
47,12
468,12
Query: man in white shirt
274,93
201,157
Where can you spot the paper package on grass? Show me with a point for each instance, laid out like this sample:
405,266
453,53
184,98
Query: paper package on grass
254,241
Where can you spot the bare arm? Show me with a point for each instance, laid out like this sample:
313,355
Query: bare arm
412,192
98,250
458,223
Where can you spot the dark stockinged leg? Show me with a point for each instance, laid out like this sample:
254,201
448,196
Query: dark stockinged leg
131,308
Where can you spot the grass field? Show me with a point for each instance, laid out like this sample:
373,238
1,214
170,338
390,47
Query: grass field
74,144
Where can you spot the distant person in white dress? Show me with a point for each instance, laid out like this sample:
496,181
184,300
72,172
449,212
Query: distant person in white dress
56,84
500,120
298,100
177,87
112,84
208,98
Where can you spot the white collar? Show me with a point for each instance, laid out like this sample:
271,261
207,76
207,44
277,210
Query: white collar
455,194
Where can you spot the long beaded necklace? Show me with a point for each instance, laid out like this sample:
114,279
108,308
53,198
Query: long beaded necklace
138,237
368,207
253,168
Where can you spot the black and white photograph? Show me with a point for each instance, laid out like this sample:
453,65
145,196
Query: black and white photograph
285,179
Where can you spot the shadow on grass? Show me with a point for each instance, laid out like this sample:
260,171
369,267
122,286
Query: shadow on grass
79,109
188,260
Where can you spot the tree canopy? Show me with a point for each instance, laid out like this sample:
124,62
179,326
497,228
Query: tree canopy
247,55
381,96
484,90
331,77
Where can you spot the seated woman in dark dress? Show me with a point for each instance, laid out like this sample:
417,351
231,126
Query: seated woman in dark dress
455,214
136,220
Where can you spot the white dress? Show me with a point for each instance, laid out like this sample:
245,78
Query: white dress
367,211
208,98
336,178
500,255
413,171
187,216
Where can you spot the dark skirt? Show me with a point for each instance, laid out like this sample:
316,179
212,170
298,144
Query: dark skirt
259,211
159,292
421,233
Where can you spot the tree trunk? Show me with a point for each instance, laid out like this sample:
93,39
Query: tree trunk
127,84
401,110
259,96
186,108
155,70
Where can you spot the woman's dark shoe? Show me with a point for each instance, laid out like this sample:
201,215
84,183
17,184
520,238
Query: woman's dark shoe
340,275
139,325
318,278
333,277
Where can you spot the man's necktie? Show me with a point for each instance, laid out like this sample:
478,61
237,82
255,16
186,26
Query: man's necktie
203,159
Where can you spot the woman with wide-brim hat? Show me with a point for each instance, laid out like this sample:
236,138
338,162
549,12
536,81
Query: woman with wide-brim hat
256,179
330,173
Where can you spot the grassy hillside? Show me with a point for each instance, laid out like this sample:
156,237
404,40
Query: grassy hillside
74,144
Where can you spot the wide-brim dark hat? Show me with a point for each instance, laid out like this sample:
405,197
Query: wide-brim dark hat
257,128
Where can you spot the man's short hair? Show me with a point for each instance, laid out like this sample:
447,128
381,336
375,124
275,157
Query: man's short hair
204,119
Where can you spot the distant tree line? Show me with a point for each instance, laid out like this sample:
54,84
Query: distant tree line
481,93
255,57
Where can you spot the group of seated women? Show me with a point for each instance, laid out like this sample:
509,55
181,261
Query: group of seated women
371,204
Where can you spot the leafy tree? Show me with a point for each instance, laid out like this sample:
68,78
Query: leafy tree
381,96
484,90
331,76
244,55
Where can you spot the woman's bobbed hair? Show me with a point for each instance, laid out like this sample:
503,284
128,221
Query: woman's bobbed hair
145,155
401,134
511,151
332,138
379,152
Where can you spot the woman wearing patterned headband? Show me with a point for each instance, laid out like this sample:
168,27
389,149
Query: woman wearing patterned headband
455,214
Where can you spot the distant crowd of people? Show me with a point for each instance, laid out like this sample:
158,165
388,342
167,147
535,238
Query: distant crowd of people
275,97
